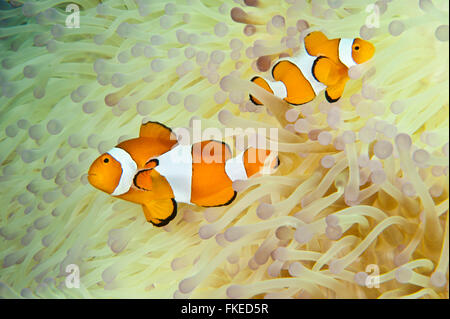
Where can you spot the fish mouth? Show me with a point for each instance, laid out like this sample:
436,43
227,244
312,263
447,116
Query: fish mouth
91,178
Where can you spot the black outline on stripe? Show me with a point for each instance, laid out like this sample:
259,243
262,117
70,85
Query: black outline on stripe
252,100
278,163
339,53
273,68
250,96
313,66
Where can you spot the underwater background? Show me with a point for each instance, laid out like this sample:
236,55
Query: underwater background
357,209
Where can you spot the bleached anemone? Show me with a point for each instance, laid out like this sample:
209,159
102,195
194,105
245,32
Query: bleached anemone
363,185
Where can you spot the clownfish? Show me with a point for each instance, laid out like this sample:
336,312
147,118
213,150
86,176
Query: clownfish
156,171
322,64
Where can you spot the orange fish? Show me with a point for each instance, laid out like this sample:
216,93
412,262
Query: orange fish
322,64
154,170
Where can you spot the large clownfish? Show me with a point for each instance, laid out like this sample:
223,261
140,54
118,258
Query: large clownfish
154,170
322,64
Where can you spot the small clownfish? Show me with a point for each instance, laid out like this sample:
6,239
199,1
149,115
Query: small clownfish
154,170
322,64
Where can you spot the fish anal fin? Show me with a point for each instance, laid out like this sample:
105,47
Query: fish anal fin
158,131
149,217
160,212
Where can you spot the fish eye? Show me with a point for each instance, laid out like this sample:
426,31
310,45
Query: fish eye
357,47
106,160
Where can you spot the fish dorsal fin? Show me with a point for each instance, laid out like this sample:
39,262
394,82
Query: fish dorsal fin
158,131
314,41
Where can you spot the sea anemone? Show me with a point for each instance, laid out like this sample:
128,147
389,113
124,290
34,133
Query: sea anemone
357,209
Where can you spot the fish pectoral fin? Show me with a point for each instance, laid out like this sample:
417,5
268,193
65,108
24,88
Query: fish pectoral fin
326,71
158,131
160,212
151,163
143,180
